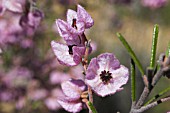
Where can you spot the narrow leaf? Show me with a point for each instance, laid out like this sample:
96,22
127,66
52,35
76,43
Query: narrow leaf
154,45
133,81
131,53
158,95
92,108
168,50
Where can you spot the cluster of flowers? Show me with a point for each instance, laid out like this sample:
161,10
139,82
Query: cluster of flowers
20,84
18,21
20,81
104,74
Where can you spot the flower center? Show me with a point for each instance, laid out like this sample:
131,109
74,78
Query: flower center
105,76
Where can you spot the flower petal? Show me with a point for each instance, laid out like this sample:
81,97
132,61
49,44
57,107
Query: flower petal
69,33
78,52
70,16
84,17
62,53
73,88
71,106
107,61
122,71
91,70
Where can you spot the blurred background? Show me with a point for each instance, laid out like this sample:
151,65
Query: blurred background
30,75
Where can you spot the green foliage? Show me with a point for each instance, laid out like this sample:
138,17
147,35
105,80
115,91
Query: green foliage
131,52
154,46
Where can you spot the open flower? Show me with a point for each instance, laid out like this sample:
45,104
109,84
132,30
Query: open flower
105,75
75,26
72,90
30,21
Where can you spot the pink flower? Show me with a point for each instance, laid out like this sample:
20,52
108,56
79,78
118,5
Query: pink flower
72,30
31,21
17,77
68,55
72,90
105,75
153,4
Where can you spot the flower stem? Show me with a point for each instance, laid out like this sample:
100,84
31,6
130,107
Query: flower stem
85,65
158,95
92,108
151,105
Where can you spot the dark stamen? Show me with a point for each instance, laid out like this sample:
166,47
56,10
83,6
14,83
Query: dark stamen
74,23
105,76
70,47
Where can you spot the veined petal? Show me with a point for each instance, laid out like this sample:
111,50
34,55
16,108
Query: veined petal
107,61
91,70
95,82
62,53
78,52
73,88
71,14
104,90
71,106
82,15
122,71
69,33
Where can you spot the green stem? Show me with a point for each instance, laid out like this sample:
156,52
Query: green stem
92,108
158,95
133,81
154,45
131,53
